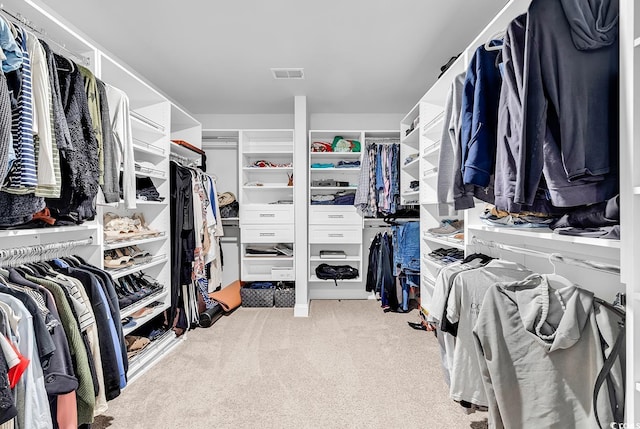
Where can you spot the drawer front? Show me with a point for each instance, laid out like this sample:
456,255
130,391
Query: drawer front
272,234
335,234
267,213
333,216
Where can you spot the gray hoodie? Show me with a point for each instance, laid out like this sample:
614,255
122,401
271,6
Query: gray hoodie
570,96
539,349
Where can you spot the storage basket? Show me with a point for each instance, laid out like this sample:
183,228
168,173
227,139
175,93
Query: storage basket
285,297
256,297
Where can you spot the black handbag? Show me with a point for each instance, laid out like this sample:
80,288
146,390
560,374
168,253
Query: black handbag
336,272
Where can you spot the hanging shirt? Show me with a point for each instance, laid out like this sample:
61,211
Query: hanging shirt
121,125
23,176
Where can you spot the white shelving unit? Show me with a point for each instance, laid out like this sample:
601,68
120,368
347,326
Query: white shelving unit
266,202
624,253
334,227
630,193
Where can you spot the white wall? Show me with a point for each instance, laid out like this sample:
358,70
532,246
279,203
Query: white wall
355,121
256,121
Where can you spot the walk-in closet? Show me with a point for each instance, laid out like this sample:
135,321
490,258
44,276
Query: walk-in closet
328,215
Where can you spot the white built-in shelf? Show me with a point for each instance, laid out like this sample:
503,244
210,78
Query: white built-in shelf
336,154
314,278
156,260
267,169
434,127
636,42
42,231
413,138
152,353
267,153
151,172
428,279
637,386
636,190
430,174
148,148
317,258
412,165
635,296
150,203
444,240
268,186
267,258
332,188
546,234
144,319
431,149
317,169
429,203
119,244
138,305
147,126
434,263
410,193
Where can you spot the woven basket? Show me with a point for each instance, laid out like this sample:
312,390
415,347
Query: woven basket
256,297
285,297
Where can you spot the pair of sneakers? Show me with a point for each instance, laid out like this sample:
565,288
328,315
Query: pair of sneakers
448,227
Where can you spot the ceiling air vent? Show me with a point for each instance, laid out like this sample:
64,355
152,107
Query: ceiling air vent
288,73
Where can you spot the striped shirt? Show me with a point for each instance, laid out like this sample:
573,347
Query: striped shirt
23,177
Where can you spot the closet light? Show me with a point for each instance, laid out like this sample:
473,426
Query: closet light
288,73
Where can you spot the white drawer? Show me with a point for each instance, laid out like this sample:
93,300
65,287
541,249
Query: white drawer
267,213
283,273
334,234
347,215
270,234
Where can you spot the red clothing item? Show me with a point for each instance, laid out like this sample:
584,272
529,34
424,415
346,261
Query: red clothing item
16,371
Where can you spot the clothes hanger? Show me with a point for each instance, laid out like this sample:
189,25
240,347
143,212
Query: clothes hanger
489,47
560,281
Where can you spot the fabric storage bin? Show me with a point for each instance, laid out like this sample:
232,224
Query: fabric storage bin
256,297
285,297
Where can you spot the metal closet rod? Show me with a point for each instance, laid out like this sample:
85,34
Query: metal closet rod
19,19
552,257
40,252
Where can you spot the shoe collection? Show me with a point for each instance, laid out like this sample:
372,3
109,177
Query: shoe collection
448,227
124,257
447,256
134,287
119,228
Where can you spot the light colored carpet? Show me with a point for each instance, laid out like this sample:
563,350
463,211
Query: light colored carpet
348,365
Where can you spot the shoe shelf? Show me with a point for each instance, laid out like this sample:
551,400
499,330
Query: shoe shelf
121,272
119,244
335,260
412,166
432,149
140,122
144,319
152,354
150,172
444,240
433,129
412,139
139,305
148,148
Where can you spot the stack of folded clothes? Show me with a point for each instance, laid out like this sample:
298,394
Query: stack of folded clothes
601,220
494,217
343,198
447,256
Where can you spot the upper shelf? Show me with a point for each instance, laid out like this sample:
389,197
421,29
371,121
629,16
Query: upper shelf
546,234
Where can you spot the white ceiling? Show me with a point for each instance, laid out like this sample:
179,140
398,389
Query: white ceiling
359,56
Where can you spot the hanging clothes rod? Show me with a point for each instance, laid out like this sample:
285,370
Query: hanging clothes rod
552,257
19,19
40,252
183,160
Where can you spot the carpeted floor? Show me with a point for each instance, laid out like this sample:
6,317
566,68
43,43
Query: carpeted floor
348,365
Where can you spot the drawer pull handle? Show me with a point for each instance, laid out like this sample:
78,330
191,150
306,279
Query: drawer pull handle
335,216
267,234
336,235
267,215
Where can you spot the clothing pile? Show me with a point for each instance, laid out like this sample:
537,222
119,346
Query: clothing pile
229,206
532,124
